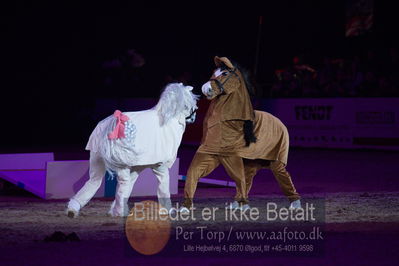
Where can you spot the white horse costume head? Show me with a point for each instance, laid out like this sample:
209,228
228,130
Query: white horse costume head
177,100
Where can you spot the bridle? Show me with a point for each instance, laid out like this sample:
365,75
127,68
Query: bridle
220,84
193,110
191,118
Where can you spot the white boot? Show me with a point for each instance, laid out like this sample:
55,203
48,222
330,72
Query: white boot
114,213
165,203
236,205
111,209
73,208
295,205
118,213
244,207
233,205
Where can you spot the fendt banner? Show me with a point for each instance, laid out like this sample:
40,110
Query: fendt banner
339,123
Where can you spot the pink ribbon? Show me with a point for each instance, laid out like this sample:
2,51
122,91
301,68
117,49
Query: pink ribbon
119,130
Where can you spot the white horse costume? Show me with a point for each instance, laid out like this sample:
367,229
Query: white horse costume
127,143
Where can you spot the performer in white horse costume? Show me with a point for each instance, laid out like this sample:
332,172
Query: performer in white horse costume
127,143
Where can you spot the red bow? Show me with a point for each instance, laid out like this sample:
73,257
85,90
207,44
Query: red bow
119,130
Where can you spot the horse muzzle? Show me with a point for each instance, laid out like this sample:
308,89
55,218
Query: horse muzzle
207,90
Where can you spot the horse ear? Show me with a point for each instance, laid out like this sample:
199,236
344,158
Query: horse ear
189,88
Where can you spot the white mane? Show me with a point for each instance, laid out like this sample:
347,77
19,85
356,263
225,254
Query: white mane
175,100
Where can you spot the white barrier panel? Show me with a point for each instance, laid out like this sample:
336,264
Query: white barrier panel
24,161
31,180
65,178
26,170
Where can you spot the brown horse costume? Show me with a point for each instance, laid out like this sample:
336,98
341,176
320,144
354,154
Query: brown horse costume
241,139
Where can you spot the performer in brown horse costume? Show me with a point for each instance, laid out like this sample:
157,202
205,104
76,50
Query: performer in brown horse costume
241,139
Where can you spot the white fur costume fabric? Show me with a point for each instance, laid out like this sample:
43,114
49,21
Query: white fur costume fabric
150,143
152,139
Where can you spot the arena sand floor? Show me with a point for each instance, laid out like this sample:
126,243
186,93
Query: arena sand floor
359,189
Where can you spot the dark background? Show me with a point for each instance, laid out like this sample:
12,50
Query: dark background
53,56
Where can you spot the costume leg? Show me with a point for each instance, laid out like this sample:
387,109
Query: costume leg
96,172
234,166
284,180
201,165
250,169
163,192
124,188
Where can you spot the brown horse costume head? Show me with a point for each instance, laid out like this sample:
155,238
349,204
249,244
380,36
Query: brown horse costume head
228,90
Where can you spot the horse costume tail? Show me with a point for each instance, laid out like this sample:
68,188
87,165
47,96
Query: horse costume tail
116,145
249,135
